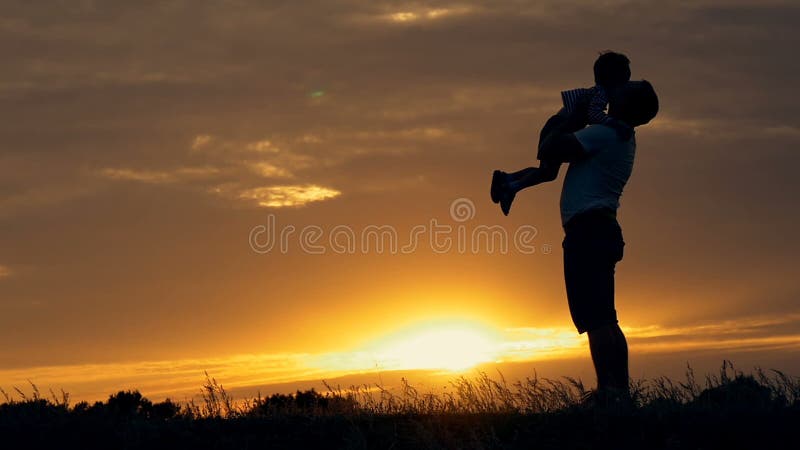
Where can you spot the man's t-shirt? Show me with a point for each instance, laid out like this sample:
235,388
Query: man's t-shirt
596,180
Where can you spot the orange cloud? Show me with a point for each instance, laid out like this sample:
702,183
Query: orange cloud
269,170
283,196
159,176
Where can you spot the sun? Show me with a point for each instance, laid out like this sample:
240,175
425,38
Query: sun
448,346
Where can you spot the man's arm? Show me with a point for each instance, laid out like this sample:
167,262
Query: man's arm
561,145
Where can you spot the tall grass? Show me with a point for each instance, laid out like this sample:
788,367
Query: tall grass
480,394
536,395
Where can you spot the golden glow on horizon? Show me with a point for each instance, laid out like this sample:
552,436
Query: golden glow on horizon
455,346
450,345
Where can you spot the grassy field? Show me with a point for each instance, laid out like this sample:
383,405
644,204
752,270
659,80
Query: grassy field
729,410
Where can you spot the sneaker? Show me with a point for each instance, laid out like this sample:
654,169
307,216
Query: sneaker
498,178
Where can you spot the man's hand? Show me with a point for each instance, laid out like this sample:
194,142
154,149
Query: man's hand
558,144
561,146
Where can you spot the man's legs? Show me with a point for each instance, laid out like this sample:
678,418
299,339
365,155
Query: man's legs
610,356
592,246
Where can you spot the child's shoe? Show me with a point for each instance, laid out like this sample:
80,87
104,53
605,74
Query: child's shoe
498,179
506,198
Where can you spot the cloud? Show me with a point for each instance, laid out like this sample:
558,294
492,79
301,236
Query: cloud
718,328
741,334
746,333
262,146
381,13
236,169
434,102
200,141
731,129
526,344
247,154
423,133
309,139
424,14
269,170
161,378
227,149
283,196
159,176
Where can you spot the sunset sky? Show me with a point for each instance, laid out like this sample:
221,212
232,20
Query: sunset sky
142,143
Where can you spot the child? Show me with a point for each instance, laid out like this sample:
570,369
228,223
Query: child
611,70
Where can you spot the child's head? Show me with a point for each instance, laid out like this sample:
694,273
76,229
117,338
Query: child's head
611,69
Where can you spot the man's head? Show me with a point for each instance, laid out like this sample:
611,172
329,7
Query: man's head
612,69
635,103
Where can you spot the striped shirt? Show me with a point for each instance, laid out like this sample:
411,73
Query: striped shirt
598,100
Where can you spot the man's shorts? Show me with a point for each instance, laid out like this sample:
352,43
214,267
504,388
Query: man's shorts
592,246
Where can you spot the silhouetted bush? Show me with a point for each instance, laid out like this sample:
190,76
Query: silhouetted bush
128,404
303,403
165,410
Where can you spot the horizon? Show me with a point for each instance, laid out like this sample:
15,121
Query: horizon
281,193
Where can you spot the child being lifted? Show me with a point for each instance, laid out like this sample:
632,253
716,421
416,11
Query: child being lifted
611,70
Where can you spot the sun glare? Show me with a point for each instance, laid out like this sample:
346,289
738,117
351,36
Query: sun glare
452,347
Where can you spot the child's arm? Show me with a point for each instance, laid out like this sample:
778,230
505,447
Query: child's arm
576,100
596,112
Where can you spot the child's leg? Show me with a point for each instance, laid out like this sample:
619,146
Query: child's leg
551,124
506,185
532,176
549,170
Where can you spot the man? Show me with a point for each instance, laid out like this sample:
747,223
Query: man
600,163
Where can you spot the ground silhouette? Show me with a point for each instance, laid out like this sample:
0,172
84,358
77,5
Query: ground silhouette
730,410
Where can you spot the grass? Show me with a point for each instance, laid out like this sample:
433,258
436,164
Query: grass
729,409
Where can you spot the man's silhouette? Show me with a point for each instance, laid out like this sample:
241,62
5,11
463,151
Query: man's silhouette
600,163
